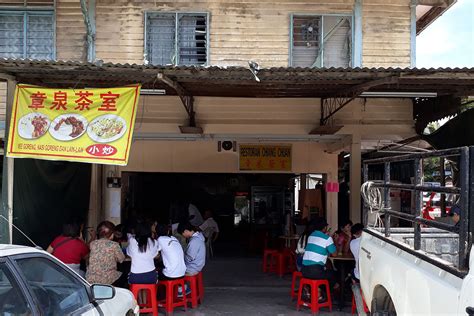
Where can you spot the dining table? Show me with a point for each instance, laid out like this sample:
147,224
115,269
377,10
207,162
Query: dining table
290,241
342,262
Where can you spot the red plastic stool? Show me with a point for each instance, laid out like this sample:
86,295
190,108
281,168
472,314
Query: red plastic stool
172,300
296,276
195,296
314,304
292,265
282,259
268,263
151,305
354,307
201,286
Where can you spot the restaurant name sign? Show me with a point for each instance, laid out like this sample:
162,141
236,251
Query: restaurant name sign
265,157
86,125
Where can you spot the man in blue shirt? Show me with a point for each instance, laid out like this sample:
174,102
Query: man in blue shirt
195,255
319,247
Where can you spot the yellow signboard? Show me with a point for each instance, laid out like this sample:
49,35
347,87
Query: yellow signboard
265,157
87,125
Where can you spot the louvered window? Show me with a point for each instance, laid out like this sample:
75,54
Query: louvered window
321,41
27,35
176,38
27,3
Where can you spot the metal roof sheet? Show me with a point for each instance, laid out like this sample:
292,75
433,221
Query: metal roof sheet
239,81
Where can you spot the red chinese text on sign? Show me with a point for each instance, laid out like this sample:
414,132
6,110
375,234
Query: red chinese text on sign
247,163
60,101
37,100
109,101
271,164
282,164
101,150
83,101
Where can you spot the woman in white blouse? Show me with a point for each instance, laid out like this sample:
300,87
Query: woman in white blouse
142,249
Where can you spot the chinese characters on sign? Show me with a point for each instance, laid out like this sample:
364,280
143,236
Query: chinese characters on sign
265,157
88,125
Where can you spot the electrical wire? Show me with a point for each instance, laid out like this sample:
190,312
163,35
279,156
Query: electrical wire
372,196
14,226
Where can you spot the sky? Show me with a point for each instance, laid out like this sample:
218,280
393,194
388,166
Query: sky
448,41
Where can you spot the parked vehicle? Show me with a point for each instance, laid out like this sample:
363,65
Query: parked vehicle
432,205
424,269
32,282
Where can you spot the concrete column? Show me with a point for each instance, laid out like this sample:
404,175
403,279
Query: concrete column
355,180
112,196
95,215
6,209
331,197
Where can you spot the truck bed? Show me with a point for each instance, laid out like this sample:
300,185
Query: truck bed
435,243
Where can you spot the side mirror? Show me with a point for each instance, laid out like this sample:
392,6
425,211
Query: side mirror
102,292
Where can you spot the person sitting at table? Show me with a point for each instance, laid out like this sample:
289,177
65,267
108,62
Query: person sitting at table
319,247
142,249
342,237
104,256
195,256
356,231
302,242
171,253
209,228
69,247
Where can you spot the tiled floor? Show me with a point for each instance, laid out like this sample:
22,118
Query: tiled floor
236,286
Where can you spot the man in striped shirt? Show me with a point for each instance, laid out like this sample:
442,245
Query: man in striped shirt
319,247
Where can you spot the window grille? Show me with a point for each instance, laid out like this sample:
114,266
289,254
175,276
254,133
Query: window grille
321,41
27,35
177,38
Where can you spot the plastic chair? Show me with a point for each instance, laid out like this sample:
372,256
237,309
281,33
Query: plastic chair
283,260
269,265
172,300
296,277
151,305
201,286
314,304
195,296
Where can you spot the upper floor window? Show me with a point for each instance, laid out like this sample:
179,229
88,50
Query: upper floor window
26,34
176,38
321,41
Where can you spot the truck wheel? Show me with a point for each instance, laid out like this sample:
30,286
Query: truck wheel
382,304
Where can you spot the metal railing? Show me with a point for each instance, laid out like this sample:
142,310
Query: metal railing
464,190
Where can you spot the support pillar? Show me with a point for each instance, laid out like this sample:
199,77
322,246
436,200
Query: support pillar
357,34
355,180
332,215
95,215
413,5
6,210
112,196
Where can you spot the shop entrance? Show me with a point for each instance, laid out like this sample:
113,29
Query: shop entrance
250,209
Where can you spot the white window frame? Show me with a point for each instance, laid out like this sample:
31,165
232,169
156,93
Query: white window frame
26,13
322,15
176,48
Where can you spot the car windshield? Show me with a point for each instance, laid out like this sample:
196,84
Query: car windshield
57,291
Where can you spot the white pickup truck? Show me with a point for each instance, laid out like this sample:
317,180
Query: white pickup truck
421,269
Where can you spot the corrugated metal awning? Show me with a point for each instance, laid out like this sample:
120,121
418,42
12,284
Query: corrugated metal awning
240,82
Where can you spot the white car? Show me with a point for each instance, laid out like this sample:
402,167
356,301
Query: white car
32,282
